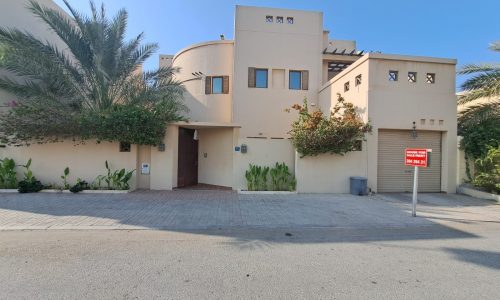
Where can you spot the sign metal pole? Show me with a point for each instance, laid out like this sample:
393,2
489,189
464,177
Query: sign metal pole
415,191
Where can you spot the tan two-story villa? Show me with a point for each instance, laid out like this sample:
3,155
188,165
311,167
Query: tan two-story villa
237,92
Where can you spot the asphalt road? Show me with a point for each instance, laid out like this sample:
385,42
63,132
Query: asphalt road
457,261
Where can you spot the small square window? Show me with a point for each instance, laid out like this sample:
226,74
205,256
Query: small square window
289,20
412,77
261,78
124,147
357,80
393,75
269,19
295,80
217,85
346,86
430,78
279,20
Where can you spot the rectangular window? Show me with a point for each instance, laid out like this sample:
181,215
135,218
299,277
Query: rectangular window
357,80
261,78
217,85
279,20
346,86
289,20
295,80
393,75
412,77
124,147
269,19
430,78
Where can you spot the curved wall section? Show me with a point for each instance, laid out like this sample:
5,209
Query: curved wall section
212,59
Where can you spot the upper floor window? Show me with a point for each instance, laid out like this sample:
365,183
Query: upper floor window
257,78
289,20
279,20
357,80
269,19
295,80
393,75
217,85
298,80
430,78
412,77
346,86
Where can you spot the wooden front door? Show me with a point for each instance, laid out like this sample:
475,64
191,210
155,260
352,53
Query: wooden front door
187,172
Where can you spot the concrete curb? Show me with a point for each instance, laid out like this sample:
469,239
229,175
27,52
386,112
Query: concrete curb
477,193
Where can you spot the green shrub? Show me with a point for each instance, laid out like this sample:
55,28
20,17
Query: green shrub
29,184
281,178
488,171
118,179
8,174
79,186
64,177
338,133
257,178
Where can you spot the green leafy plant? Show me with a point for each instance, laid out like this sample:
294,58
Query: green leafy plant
339,133
8,175
90,77
79,186
257,179
29,184
488,171
118,179
64,177
281,178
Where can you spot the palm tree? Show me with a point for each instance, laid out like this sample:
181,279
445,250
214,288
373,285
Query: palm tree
485,85
96,70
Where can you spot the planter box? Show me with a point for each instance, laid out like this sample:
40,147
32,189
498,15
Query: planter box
68,192
245,192
466,190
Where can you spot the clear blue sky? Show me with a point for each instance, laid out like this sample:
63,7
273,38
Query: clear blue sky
460,29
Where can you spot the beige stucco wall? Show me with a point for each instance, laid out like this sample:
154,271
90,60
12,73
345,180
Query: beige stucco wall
85,161
164,164
143,156
262,152
329,173
215,156
213,58
260,111
396,105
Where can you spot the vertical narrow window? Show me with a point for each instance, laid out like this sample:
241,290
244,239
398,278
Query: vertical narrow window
295,80
393,75
217,85
289,20
430,78
412,77
261,78
269,19
346,86
279,20
208,85
357,80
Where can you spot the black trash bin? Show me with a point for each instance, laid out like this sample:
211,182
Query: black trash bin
358,185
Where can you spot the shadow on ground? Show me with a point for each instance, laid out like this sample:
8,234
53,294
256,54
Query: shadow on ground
252,220
487,259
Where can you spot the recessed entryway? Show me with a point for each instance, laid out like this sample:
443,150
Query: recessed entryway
187,170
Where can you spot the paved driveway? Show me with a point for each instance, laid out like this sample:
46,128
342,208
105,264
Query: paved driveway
225,209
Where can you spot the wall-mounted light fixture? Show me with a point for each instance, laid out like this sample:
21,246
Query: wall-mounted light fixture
414,131
195,135
161,147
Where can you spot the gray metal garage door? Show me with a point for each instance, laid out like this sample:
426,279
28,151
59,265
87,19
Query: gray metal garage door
393,175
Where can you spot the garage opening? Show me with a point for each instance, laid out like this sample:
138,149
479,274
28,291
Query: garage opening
393,175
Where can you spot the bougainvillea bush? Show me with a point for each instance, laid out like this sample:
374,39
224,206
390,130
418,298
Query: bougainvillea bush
337,133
